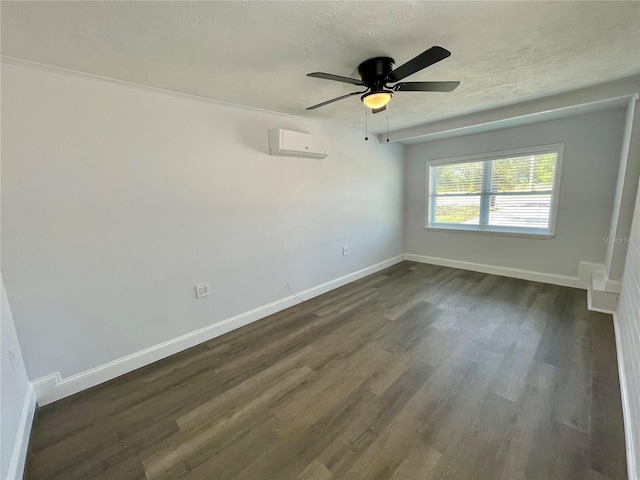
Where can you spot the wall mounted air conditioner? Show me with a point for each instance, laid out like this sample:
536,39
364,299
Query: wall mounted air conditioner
295,144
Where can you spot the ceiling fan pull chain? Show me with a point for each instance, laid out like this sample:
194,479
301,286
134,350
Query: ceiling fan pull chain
387,124
366,126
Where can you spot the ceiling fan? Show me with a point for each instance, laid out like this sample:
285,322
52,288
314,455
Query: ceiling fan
377,73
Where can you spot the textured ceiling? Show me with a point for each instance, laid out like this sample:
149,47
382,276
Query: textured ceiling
257,53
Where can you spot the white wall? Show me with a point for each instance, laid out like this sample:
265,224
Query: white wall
626,188
590,165
117,200
15,392
627,322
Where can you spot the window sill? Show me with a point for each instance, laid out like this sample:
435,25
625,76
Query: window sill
499,233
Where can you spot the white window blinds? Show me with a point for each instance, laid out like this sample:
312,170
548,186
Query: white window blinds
502,192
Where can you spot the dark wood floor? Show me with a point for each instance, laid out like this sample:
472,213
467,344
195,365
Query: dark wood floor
416,372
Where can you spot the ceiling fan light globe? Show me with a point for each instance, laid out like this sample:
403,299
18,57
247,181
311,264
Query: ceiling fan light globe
376,99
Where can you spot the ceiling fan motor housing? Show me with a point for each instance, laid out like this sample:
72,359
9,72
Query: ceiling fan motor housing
375,70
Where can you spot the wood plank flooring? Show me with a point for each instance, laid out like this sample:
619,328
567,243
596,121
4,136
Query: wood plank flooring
416,372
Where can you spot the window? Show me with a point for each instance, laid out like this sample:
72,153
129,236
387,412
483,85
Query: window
511,193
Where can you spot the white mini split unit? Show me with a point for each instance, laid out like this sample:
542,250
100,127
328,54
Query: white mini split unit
286,143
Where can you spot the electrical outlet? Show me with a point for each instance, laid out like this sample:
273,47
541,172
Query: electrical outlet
345,250
202,290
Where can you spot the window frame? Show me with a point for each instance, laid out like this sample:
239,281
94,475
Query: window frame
531,232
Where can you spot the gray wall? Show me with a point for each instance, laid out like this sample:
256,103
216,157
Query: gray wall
589,171
116,201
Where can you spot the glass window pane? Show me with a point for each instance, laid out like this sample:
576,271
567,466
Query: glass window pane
496,192
458,178
456,209
529,173
530,211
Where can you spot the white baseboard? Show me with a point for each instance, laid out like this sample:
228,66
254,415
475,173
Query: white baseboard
586,271
613,286
602,293
52,387
632,469
21,443
554,279
595,305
